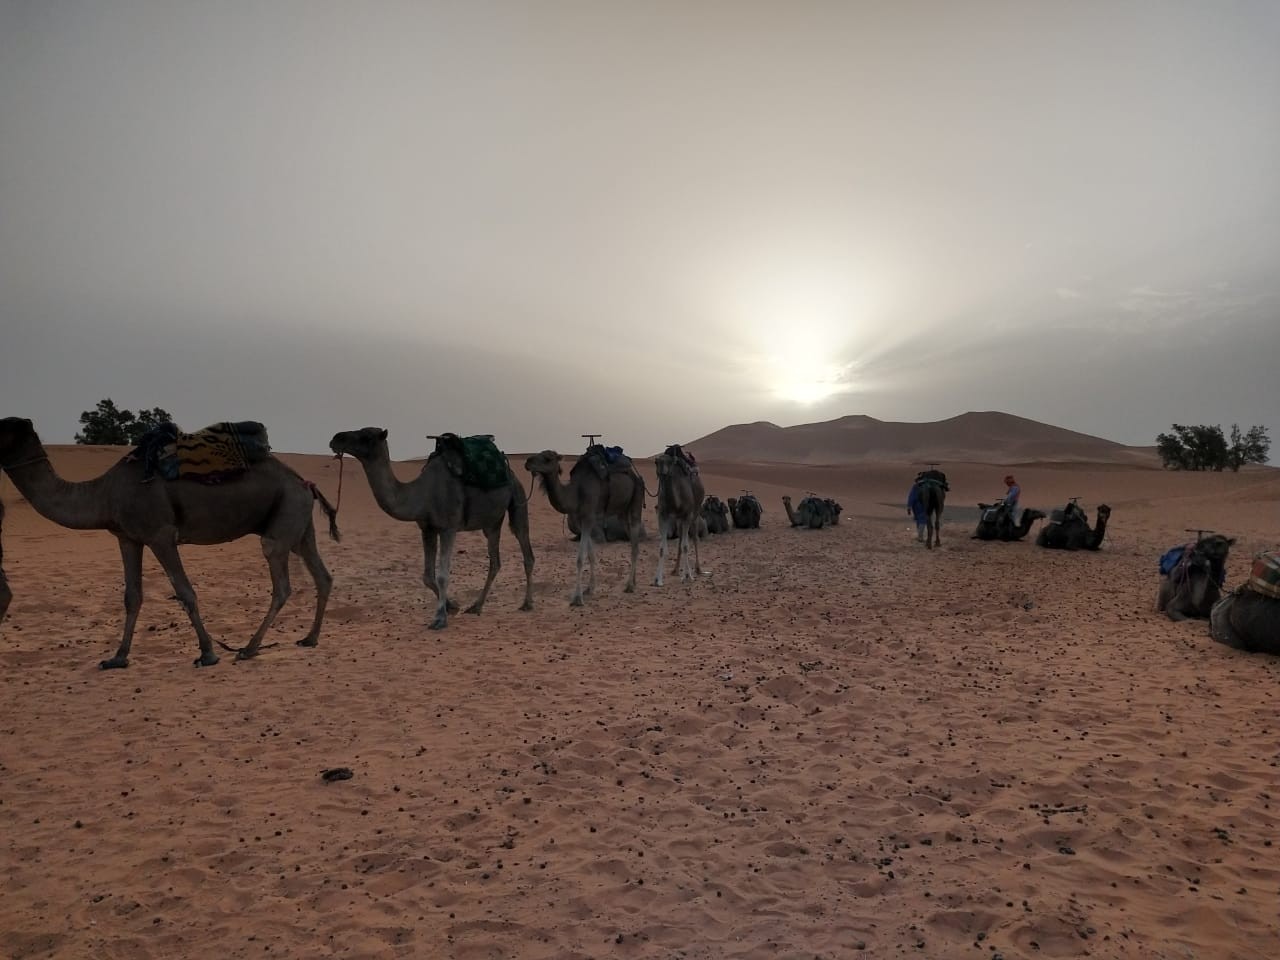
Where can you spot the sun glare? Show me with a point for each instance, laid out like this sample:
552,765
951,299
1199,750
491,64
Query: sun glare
808,386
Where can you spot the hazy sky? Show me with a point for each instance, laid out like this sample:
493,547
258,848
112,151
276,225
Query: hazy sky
540,218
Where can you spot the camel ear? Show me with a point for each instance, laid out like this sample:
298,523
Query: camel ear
382,434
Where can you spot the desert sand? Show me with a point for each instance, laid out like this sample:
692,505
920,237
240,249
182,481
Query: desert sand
834,744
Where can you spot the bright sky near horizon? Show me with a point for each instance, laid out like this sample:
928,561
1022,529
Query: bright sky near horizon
647,220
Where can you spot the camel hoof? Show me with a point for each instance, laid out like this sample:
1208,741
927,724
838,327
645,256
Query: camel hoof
575,601
439,623
115,663
526,606
244,654
451,606
629,588
208,659
308,641
474,608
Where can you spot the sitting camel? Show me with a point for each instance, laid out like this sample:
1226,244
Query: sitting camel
715,515
1068,529
441,503
6,595
996,523
746,511
614,529
699,529
680,496
595,491
1248,618
1193,581
269,500
814,513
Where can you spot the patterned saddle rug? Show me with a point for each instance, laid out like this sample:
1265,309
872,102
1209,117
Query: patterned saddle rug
1264,578
1176,563
476,460
219,452
682,458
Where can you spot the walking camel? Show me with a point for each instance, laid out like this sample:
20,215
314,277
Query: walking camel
595,491
269,500
680,496
441,504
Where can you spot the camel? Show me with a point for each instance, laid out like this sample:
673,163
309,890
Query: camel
933,496
698,530
834,510
1194,584
6,595
813,512
715,515
997,524
1248,619
269,500
680,496
587,500
441,504
1068,529
745,511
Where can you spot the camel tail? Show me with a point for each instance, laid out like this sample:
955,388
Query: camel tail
330,511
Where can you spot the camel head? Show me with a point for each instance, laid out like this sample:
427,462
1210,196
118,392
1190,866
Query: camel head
1104,513
546,463
786,498
1214,548
367,443
16,438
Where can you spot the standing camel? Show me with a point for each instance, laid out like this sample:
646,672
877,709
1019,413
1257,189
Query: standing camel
933,496
680,496
269,500
441,504
6,594
588,500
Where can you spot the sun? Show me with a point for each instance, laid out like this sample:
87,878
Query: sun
806,392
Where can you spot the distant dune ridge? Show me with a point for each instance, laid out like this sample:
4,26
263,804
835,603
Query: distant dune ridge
981,437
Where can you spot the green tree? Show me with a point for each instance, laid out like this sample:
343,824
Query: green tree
108,424
1203,447
1251,447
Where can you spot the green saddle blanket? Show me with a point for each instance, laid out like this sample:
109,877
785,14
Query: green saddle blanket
477,461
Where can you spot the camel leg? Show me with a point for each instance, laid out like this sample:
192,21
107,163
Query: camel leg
591,559
697,560
584,545
492,537
442,579
662,549
686,571
278,563
131,556
429,542
634,537
521,530
310,555
167,554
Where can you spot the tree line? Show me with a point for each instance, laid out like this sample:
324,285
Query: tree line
1205,447
107,423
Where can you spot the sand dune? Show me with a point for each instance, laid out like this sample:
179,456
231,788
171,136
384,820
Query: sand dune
989,437
836,744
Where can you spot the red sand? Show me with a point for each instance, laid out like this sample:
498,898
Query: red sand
836,744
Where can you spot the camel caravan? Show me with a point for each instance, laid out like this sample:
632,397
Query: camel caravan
223,483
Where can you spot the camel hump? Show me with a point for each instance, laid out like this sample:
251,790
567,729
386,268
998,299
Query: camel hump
219,452
475,460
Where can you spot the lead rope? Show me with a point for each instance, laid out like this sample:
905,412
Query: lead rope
337,506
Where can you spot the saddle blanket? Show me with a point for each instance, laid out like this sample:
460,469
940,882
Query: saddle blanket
1264,578
483,464
221,451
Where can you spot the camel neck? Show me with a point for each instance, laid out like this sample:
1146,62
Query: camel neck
392,495
76,505
557,492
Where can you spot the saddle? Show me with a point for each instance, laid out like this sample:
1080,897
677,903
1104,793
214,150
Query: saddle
1264,577
681,459
475,460
933,476
605,460
217,453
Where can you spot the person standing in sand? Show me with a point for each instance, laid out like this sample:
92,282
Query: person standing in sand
915,507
